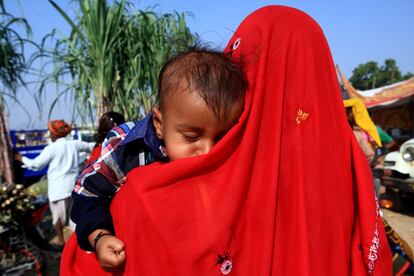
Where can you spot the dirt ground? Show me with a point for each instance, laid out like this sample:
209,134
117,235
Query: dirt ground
53,258
403,224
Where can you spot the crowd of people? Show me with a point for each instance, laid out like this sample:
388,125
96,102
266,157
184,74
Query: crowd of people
237,169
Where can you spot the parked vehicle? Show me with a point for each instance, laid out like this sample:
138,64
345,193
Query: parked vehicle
399,182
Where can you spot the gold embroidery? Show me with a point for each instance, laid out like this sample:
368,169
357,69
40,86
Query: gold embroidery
301,116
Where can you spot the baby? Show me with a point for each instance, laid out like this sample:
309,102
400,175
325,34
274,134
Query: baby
200,98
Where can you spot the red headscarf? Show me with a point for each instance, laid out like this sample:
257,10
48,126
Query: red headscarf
59,128
286,192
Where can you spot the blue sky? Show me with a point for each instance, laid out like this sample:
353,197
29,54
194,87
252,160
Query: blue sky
357,32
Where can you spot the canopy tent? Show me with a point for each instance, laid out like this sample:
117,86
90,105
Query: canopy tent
393,94
390,106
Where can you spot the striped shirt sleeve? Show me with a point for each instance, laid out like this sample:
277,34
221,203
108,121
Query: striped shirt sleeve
106,165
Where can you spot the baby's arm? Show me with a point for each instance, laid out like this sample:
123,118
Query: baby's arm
109,249
90,210
94,227
92,196
95,188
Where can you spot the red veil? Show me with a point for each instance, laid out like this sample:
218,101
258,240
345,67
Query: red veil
286,192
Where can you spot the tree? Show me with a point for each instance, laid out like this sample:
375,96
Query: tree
12,67
112,57
369,75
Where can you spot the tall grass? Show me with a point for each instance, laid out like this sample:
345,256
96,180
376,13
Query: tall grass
112,57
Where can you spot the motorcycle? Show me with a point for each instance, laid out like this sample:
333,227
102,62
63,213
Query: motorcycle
398,178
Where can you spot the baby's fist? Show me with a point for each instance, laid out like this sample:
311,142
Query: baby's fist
111,253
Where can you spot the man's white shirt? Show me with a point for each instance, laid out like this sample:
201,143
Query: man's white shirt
62,156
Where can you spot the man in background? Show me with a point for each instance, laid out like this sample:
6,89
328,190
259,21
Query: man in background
62,156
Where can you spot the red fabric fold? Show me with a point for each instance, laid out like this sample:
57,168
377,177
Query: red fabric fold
286,192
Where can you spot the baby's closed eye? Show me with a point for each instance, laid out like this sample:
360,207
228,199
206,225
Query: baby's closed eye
190,137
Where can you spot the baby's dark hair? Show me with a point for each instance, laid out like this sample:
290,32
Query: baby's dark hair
217,79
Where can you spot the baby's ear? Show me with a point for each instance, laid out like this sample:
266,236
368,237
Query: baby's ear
157,121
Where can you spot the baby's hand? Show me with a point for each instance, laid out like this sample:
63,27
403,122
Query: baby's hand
111,253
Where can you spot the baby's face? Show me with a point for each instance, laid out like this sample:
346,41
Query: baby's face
189,128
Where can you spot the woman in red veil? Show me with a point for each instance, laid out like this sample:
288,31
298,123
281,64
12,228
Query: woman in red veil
286,192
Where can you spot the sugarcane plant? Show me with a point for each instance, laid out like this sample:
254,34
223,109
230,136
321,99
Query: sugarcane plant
113,54
12,66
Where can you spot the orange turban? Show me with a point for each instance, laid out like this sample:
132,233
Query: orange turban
59,128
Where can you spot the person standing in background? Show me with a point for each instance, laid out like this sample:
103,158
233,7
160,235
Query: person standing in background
107,121
362,126
62,156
